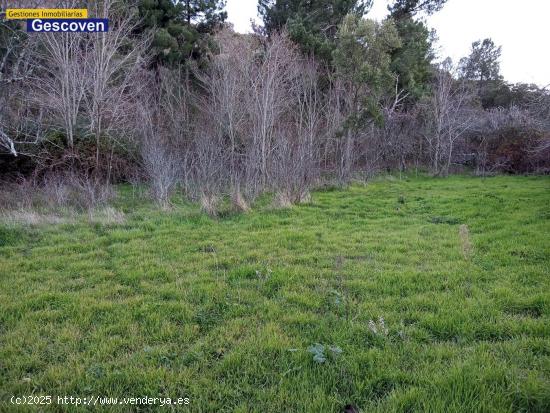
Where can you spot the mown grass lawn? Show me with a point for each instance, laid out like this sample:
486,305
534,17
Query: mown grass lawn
223,311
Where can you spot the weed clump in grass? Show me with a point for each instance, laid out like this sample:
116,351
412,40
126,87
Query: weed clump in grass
30,217
239,203
53,199
320,353
378,328
209,204
304,198
285,199
282,200
107,216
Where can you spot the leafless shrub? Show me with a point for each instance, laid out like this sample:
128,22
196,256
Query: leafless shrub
238,201
282,199
256,124
296,153
268,101
30,217
20,194
507,140
394,143
112,78
90,191
209,204
259,117
227,84
20,123
78,85
163,170
448,116
539,109
161,161
107,216
56,190
209,165
64,191
305,198
60,80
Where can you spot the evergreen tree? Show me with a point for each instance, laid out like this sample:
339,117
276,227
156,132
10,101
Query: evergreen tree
403,8
483,68
312,24
181,27
483,63
362,60
412,62
203,14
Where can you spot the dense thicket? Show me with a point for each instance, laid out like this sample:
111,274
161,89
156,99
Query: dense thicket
173,96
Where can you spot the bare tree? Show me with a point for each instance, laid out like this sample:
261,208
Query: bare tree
226,84
448,118
110,73
268,100
60,79
390,143
161,163
16,56
297,147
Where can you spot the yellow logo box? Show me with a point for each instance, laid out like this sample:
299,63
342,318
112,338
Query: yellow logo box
46,14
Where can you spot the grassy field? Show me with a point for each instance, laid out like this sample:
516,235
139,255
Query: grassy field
428,295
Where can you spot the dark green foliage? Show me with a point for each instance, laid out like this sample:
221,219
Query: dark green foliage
204,14
412,61
483,63
483,68
403,8
499,94
495,94
180,27
310,23
362,59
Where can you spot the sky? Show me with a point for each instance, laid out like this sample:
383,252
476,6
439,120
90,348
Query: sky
521,27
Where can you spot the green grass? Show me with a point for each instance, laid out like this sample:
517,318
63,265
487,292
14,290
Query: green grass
176,304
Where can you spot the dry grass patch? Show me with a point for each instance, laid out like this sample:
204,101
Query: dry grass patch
209,204
107,216
282,200
239,203
466,244
28,217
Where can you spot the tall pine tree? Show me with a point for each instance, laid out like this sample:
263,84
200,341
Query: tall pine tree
402,8
412,62
181,27
312,24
